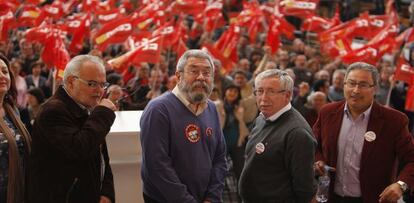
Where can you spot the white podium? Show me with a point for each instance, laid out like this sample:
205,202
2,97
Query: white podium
125,156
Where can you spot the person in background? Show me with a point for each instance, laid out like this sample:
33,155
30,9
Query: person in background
116,94
15,141
183,160
69,161
336,90
364,140
35,98
280,150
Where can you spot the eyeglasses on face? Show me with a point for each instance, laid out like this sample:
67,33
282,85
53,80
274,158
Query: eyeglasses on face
361,85
92,83
196,73
269,92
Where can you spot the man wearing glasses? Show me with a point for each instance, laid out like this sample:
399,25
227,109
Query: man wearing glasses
183,149
69,160
280,150
364,141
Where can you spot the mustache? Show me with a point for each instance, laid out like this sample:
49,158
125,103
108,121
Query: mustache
200,83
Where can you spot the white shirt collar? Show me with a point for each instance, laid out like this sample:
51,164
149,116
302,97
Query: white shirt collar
279,113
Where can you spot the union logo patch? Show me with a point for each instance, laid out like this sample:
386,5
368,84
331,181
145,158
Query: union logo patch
192,132
209,131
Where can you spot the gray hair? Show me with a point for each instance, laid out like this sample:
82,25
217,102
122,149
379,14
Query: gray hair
196,53
313,95
338,71
366,67
74,65
286,82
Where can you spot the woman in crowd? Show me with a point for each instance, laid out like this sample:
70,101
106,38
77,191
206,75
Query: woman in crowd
235,133
14,140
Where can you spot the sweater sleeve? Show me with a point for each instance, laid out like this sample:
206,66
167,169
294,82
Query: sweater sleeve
300,156
157,167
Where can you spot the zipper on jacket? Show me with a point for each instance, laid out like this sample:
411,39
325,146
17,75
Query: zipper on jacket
71,189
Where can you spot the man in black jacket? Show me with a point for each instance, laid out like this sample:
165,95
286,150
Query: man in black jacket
69,160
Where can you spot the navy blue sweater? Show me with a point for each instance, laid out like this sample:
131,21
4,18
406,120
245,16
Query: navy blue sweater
183,155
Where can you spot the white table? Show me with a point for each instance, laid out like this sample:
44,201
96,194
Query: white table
125,153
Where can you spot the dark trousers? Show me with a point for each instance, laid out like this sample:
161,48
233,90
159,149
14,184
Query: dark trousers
148,199
339,199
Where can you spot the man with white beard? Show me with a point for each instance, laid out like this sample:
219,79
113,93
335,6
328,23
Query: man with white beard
183,150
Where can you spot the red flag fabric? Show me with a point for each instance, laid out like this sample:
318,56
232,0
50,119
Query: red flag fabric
227,44
179,48
28,16
78,35
272,38
148,50
7,22
54,53
299,8
190,7
89,5
54,11
113,32
107,16
318,24
227,64
404,71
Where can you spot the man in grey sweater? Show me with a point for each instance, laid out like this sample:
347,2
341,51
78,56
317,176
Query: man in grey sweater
281,148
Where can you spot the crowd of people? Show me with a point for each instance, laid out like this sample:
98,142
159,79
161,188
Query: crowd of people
224,144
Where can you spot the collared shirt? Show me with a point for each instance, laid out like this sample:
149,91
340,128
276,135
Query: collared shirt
350,143
279,113
181,96
80,105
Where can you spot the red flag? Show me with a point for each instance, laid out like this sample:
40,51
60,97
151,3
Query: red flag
28,16
190,7
89,5
404,71
301,9
227,44
272,38
54,11
54,53
148,50
79,34
409,100
227,63
7,21
180,48
113,32
107,16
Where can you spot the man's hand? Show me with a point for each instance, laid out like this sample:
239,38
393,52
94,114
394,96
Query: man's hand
107,103
105,200
319,168
391,194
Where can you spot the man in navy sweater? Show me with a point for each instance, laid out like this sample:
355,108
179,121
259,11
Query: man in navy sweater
183,150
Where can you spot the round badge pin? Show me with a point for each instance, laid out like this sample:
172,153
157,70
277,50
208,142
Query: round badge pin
370,136
260,148
209,132
192,132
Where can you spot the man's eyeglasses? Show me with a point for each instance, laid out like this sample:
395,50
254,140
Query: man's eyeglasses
196,73
93,84
269,92
361,85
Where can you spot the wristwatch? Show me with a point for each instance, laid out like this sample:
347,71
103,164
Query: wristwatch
403,186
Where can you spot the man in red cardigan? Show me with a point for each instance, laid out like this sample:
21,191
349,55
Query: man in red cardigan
364,142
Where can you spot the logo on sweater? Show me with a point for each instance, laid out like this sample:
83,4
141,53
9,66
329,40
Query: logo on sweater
192,132
209,131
